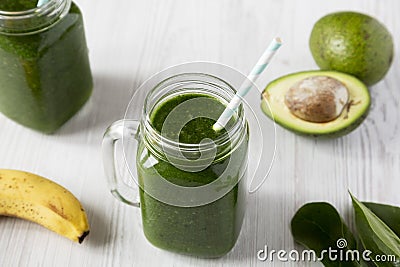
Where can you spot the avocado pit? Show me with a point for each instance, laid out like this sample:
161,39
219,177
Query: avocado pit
317,99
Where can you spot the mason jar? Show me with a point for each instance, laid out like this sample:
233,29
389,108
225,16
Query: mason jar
45,76
192,191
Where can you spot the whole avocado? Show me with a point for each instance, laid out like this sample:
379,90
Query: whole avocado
353,43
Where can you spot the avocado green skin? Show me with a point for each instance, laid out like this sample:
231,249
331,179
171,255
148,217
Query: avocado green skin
352,43
331,135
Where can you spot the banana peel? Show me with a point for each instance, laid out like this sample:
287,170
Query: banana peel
37,199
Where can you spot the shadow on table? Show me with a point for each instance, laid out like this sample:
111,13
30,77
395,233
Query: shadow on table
110,97
100,228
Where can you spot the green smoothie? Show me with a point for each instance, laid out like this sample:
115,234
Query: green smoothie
209,230
17,5
45,77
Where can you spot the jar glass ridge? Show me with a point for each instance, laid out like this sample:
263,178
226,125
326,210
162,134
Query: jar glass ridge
191,83
33,20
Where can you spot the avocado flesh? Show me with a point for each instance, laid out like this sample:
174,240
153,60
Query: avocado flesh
349,119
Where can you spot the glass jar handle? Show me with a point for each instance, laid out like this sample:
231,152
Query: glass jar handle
117,186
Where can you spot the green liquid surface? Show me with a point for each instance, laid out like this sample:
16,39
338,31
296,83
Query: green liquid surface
17,5
208,230
198,126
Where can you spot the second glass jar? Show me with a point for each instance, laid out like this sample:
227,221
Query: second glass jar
45,76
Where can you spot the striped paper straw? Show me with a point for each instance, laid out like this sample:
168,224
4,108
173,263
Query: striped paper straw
41,3
248,84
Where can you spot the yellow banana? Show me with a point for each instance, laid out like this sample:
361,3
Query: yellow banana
35,198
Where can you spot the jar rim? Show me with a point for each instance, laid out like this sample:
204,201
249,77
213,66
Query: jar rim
33,20
235,132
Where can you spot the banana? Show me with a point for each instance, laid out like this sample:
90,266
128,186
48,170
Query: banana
35,198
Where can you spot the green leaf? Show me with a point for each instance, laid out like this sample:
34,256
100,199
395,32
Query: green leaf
390,215
363,262
375,235
318,226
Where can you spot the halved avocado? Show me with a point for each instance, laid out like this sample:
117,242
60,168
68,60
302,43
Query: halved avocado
354,110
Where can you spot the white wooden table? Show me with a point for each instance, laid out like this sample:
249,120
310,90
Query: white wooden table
130,40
